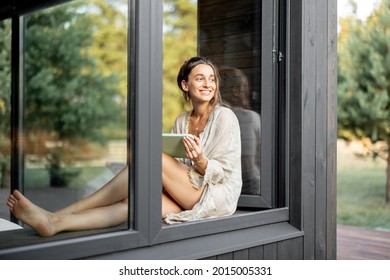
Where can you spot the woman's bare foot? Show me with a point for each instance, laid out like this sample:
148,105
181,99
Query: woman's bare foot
26,211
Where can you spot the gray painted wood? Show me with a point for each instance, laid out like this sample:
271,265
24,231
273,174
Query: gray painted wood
321,131
318,96
241,254
226,256
294,90
331,157
271,251
256,253
289,249
308,123
202,247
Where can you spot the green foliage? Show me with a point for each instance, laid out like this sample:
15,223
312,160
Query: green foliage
5,76
5,96
364,76
109,46
75,80
65,93
72,92
180,43
364,82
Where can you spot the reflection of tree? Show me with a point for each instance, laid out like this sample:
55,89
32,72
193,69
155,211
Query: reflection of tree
180,43
5,94
364,84
68,100
109,48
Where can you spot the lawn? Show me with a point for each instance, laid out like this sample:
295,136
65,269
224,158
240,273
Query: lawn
361,190
361,198
39,177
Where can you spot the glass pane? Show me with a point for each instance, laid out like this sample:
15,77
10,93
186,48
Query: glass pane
228,33
179,43
5,117
75,100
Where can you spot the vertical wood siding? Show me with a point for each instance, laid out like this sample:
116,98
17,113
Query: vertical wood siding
319,127
331,129
290,249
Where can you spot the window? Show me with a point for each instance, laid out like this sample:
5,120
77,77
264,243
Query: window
246,39
242,40
77,96
74,100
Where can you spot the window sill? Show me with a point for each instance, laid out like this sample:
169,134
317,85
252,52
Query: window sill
26,244
239,220
211,245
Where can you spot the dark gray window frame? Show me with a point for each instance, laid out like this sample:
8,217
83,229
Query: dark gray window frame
141,61
269,111
145,60
270,145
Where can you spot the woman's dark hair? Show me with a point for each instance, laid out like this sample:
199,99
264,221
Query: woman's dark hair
186,69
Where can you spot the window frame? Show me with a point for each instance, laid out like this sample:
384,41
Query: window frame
82,244
269,110
251,218
145,72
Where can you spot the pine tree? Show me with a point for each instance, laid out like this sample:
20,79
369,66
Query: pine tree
364,82
68,99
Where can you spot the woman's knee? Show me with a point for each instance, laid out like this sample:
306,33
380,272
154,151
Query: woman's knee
123,210
167,161
168,205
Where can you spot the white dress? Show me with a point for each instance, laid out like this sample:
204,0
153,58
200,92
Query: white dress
222,179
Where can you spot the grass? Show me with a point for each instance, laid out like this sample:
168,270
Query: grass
361,198
361,189
39,177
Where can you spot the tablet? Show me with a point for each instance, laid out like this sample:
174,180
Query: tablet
173,145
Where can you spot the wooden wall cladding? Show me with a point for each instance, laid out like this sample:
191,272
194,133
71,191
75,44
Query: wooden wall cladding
291,249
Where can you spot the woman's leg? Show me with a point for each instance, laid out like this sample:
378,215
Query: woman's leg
177,184
169,206
48,223
114,191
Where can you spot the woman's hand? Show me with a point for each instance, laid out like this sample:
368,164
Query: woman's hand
194,151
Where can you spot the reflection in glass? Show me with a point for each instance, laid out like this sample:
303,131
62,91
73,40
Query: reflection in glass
228,33
5,114
180,36
75,93
235,90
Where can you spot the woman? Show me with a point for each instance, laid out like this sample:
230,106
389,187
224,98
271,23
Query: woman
206,184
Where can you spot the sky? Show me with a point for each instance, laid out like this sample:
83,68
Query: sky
364,8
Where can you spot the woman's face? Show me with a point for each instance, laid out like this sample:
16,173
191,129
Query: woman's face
201,83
